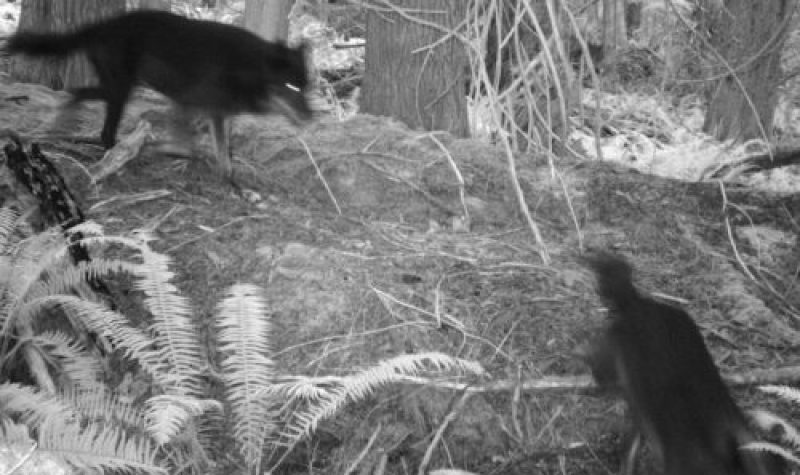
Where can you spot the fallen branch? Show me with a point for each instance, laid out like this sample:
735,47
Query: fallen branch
583,384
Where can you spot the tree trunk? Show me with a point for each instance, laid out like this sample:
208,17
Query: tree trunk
748,36
59,15
615,36
155,4
424,88
268,19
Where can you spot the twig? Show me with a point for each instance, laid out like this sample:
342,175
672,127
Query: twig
441,319
131,198
214,230
729,231
450,417
515,398
320,175
364,451
523,205
583,384
571,209
457,172
24,459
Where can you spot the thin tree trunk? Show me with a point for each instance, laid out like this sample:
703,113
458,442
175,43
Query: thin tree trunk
615,35
410,73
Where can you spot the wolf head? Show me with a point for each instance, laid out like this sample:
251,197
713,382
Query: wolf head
288,82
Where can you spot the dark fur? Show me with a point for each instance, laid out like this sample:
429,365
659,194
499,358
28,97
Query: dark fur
654,353
215,68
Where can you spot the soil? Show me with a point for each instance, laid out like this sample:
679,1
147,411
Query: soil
405,265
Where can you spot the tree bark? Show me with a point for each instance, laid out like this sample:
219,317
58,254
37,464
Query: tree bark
748,36
155,4
410,73
60,15
268,19
615,35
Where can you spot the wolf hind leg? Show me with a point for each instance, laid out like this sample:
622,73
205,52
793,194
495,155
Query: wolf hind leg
115,106
220,130
181,125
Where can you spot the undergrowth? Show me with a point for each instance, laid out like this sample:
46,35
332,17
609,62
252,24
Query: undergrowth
65,406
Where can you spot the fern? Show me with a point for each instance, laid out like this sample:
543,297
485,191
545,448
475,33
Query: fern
33,407
134,343
88,415
167,414
773,449
95,446
99,403
30,261
91,428
70,275
172,325
172,328
244,333
13,433
767,421
784,392
82,369
325,396
8,222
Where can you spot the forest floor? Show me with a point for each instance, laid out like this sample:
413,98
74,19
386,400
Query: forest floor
389,258
392,255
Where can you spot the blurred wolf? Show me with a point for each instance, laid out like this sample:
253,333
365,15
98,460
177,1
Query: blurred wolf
655,355
204,66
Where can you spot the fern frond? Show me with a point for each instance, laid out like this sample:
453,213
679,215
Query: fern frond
388,371
98,403
75,363
8,223
167,414
767,421
304,421
33,407
108,323
32,258
94,242
302,388
209,429
69,276
247,370
7,300
173,327
99,447
14,433
773,449
360,385
785,392
87,228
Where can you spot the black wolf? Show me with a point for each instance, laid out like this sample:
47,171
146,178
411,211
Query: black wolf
204,66
655,355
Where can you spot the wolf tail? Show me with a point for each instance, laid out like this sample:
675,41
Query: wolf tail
614,279
46,44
